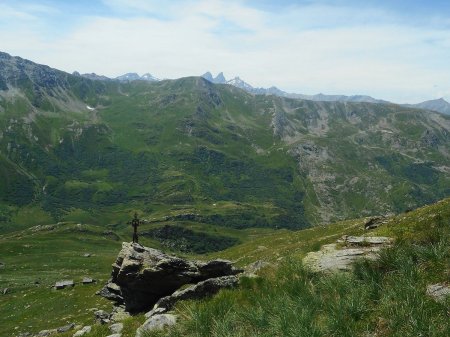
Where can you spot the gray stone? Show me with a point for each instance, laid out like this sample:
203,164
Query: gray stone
65,328
87,280
331,258
116,328
156,310
45,333
5,291
112,292
64,284
102,317
119,314
87,255
141,275
2,265
366,240
375,222
200,290
256,266
86,329
115,335
156,322
438,291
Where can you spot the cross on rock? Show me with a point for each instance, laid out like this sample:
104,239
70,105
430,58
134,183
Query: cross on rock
135,223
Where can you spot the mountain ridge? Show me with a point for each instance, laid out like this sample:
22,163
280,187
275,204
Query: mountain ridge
439,105
73,147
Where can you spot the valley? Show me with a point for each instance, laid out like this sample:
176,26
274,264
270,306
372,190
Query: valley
214,171
75,149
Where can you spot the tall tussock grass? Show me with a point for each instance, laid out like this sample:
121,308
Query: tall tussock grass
386,297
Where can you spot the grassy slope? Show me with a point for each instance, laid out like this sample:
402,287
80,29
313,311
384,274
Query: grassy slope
261,307
382,298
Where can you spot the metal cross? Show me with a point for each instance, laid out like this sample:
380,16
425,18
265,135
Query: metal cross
135,223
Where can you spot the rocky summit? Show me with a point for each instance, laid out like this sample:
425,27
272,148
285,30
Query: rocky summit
141,276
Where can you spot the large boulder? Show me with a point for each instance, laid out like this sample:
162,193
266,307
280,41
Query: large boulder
142,275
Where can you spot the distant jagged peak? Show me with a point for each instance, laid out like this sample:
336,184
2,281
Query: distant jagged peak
219,79
238,82
208,76
149,77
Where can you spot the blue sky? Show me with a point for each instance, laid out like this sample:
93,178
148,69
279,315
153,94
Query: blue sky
395,50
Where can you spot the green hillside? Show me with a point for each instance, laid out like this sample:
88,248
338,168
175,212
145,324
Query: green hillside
96,151
382,297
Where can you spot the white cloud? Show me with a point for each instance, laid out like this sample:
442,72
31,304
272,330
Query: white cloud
370,55
8,13
148,6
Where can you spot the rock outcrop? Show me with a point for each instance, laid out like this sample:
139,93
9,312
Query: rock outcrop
375,222
141,276
200,290
341,255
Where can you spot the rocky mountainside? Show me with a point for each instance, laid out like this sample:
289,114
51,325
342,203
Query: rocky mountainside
74,148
